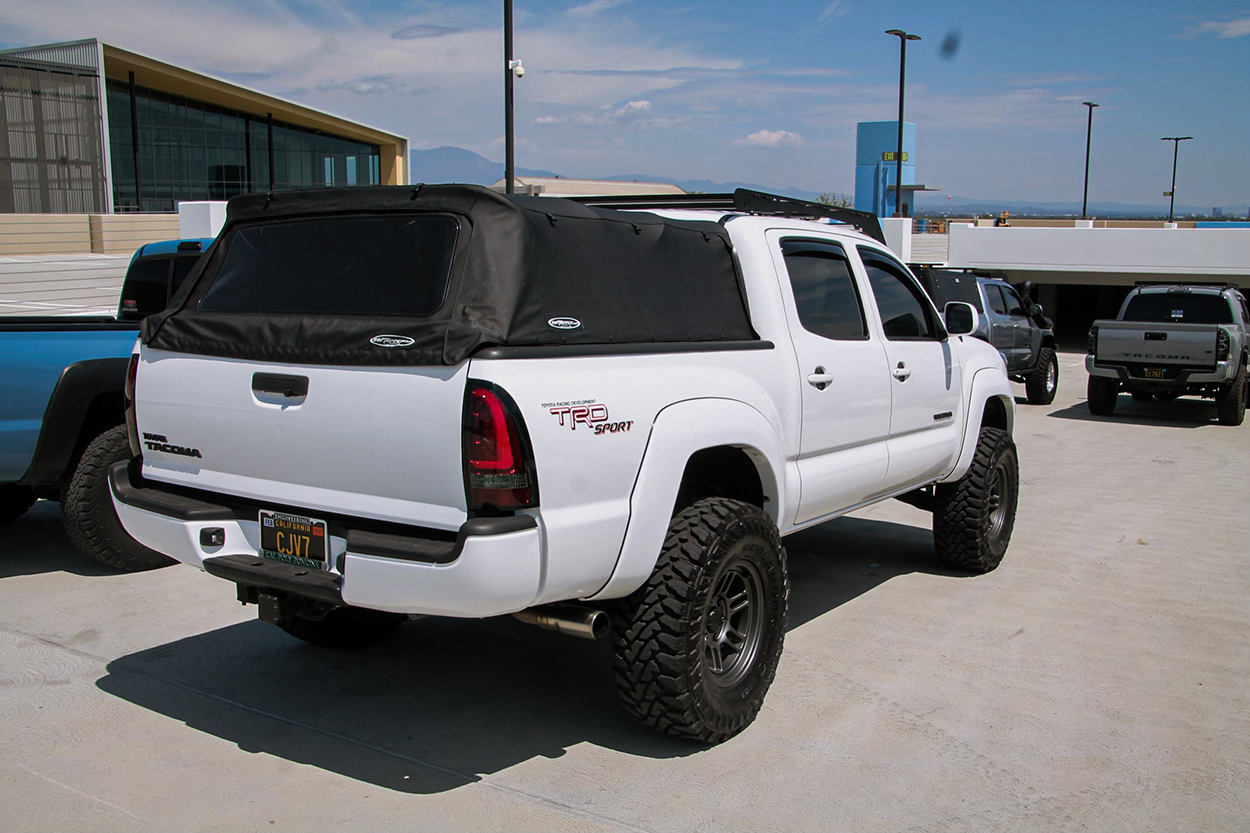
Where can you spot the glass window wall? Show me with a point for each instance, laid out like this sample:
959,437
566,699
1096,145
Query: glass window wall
191,150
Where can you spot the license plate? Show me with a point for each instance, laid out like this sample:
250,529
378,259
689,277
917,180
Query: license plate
1154,373
293,539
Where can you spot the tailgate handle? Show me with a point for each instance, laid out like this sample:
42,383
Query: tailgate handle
289,386
1156,336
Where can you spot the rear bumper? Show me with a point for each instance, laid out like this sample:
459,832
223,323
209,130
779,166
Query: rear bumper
1223,372
493,566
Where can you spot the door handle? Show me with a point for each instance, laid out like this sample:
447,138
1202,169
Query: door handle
901,372
819,379
292,387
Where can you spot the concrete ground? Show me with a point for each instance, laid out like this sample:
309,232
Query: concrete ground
1098,680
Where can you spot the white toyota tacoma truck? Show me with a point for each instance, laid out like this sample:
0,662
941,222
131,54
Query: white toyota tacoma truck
600,416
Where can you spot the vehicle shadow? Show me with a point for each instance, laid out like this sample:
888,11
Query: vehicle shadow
36,543
1185,412
446,701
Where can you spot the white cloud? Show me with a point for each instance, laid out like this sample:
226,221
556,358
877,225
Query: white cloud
833,11
1238,28
771,139
594,7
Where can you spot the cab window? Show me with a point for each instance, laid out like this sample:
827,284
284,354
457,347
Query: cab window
1014,305
900,302
825,296
995,296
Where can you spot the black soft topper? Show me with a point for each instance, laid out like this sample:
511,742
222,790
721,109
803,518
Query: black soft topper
426,275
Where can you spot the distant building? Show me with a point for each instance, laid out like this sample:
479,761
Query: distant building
198,137
876,144
1217,212
561,187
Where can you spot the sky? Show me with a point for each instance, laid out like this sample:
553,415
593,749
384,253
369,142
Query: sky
764,92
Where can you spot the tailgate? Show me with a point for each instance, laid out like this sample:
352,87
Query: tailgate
1162,344
370,442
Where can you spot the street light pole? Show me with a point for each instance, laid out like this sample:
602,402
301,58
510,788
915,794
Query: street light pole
903,38
1176,144
509,163
1089,130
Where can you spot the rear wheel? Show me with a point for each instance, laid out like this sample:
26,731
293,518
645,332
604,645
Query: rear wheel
1231,402
1100,395
697,646
974,516
14,501
344,627
1042,383
90,519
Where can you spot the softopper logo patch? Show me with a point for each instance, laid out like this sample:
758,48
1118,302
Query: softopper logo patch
564,323
392,341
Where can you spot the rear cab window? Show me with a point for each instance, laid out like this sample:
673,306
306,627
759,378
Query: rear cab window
1178,308
151,281
356,265
825,295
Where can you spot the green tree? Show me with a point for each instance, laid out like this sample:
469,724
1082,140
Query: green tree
838,200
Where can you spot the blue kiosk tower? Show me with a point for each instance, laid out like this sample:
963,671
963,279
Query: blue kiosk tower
875,145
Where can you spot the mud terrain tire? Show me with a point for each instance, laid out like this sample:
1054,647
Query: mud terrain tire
974,516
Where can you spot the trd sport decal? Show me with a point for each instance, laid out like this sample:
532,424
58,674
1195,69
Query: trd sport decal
589,413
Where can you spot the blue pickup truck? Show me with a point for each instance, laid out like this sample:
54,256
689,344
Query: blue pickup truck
62,405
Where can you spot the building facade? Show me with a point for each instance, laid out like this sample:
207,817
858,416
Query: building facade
86,127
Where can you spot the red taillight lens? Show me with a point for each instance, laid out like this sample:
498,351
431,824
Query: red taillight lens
132,423
498,472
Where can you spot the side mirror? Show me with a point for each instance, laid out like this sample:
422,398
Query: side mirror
961,318
1035,310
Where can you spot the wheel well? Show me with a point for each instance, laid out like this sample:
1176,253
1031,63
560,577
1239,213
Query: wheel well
1048,341
995,414
723,471
104,412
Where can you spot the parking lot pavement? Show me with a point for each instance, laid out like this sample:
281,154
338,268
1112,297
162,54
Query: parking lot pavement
1096,681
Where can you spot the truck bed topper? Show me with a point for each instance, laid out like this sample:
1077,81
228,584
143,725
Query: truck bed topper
426,275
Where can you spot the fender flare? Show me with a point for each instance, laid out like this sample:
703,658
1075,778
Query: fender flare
678,432
76,391
987,383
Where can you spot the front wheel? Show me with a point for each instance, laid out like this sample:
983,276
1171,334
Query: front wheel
1101,394
974,516
1042,383
697,646
90,519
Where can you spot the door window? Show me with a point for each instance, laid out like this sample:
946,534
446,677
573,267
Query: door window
825,296
1014,305
904,313
995,297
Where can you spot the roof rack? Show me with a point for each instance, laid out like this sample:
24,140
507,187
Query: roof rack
1209,284
744,201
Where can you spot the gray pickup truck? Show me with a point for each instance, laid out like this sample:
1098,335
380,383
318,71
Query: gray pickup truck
1009,321
1170,341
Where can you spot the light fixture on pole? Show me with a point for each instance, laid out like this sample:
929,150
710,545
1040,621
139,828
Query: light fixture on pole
903,38
1089,130
1176,140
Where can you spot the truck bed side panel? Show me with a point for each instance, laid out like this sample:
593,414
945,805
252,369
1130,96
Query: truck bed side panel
31,363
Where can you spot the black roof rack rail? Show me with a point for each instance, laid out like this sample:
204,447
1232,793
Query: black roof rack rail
1213,284
744,201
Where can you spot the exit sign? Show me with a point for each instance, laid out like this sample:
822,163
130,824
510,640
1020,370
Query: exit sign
888,156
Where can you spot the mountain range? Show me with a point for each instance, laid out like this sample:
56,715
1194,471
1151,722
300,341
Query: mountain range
453,164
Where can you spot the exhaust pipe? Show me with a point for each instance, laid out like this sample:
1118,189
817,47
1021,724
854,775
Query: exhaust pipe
583,622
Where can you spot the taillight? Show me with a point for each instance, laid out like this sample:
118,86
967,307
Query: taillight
132,424
1091,343
1222,345
498,465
